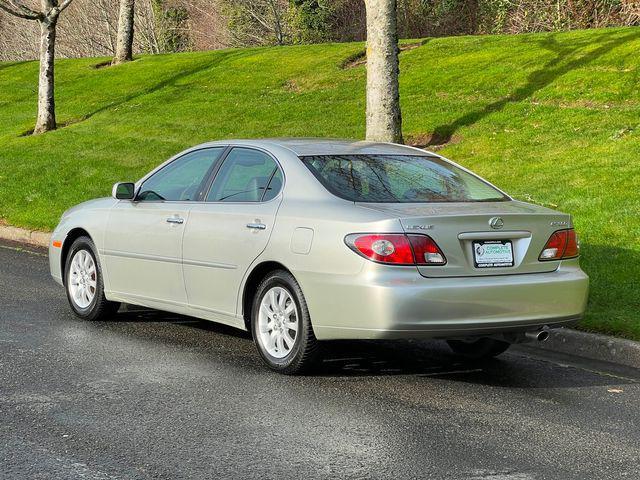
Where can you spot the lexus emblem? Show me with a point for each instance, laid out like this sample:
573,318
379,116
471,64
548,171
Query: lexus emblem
496,223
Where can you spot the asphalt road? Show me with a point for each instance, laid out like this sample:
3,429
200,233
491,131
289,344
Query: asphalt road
151,395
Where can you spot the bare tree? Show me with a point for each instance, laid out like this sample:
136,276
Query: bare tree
384,120
87,29
208,26
257,22
48,19
124,45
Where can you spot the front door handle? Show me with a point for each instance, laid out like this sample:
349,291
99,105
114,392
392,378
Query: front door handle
177,220
257,226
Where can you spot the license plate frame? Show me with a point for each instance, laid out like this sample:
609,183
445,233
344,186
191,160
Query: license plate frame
484,257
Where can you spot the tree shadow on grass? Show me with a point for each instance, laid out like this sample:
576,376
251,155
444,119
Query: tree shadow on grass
7,65
614,304
359,58
220,57
561,64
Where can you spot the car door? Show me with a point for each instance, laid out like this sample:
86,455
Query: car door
143,239
230,228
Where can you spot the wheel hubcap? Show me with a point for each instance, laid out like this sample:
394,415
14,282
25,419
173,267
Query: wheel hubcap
277,322
82,279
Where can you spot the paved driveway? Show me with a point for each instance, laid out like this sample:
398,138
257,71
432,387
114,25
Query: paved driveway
151,395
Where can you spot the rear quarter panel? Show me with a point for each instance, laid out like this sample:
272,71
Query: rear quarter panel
327,263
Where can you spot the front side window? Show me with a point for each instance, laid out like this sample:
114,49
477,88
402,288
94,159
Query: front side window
398,179
182,180
246,175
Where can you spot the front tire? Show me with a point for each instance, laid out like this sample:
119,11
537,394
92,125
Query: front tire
482,348
281,325
84,284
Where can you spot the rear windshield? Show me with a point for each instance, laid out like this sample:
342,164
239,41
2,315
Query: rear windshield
398,179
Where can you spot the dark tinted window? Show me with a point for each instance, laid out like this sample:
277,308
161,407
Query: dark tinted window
182,179
244,177
398,179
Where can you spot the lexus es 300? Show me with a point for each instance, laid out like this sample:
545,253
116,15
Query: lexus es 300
300,241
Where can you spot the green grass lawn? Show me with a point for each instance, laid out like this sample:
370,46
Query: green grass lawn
551,118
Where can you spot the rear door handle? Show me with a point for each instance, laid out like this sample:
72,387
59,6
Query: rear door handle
177,220
257,226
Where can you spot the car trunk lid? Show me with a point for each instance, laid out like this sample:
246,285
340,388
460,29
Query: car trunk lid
476,237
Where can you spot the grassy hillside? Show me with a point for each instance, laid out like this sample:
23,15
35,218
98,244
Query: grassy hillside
551,118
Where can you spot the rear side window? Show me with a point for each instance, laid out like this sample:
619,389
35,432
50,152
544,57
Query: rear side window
274,187
398,179
246,175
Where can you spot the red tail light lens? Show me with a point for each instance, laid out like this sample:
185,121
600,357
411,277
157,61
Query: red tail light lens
554,249
573,245
396,248
384,248
561,244
426,251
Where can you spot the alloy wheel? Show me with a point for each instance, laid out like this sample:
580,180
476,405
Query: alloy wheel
278,322
82,279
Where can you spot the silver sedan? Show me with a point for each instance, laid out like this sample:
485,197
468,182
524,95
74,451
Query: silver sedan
304,240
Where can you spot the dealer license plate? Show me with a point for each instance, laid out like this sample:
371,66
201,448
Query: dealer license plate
493,253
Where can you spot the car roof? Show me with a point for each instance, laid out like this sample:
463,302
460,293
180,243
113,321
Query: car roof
326,146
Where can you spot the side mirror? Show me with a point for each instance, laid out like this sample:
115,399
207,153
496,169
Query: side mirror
124,191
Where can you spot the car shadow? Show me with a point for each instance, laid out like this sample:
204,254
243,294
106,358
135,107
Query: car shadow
134,314
519,368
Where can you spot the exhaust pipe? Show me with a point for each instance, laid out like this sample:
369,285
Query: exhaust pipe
539,336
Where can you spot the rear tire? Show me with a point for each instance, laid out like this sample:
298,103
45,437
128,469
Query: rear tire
281,325
480,349
84,284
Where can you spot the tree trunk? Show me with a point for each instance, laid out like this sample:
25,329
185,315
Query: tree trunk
384,120
277,24
124,46
46,103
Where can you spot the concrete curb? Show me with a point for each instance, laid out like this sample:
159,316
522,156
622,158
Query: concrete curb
563,340
21,235
593,346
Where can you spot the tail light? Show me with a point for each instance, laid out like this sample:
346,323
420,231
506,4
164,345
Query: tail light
396,248
561,244
426,251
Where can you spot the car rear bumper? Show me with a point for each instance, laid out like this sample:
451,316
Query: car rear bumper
391,302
